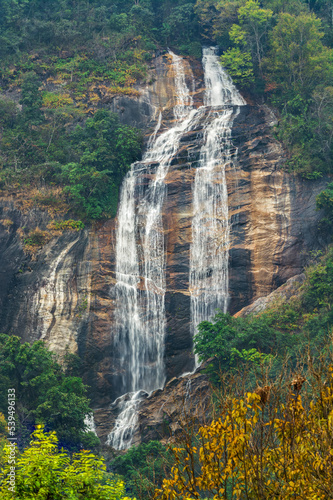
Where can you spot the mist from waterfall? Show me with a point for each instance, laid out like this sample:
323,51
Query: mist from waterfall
209,256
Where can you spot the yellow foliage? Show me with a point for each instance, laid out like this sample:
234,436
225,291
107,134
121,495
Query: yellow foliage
55,80
94,98
256,452
55,101
44,472
124,91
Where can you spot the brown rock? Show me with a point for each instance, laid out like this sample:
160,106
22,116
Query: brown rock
283,293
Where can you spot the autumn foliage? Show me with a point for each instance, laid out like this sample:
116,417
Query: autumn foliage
260,450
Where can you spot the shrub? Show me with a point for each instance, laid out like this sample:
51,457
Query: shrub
45,472
37,238
258,449
66,225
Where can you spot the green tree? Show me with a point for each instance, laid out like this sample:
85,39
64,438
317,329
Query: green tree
216,18
253,22
3,436
301,324
44,472
294,7
104,150
8,112
31,100
298,61
182,23
322,116
142,19
324,201
44,392
234,341
239,65
143,467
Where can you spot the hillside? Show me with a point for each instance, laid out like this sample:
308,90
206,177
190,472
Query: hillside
166,222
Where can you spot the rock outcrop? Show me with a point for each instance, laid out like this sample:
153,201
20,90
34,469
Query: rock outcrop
184,401
66,295
284,293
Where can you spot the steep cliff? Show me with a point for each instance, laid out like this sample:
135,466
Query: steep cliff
66,295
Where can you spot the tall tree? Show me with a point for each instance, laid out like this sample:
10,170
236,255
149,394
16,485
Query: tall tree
298,60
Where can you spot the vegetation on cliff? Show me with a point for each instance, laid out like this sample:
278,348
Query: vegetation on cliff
270,427
287,328
87,159
270,432
273,432
282,52
62,61
143,467
263,445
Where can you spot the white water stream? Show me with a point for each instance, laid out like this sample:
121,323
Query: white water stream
209,256
140,251
140,308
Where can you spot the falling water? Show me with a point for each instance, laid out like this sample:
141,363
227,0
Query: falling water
90,423
140,308
210,223
220,90
140,251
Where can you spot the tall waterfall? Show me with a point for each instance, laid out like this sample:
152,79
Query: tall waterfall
140,250
140,268
210,223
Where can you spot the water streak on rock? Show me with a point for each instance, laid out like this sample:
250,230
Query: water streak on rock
140,309
210,224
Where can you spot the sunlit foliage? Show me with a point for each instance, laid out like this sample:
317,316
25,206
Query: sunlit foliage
260,451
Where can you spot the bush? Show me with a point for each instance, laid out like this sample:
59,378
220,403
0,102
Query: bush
324,201
45,472
37,238
44,392
305,321
66,225
143,468
269,443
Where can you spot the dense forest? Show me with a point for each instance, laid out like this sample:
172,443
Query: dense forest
63,150
62,61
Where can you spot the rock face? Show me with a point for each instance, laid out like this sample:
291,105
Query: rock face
282,294
47,298
183,401
274,221
66,296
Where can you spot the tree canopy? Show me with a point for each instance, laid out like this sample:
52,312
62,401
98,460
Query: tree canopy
45,393
45,472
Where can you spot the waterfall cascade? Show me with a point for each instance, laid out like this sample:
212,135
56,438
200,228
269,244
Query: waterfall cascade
140,288
140,251
210,223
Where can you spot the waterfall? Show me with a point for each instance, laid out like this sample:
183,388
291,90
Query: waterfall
220,90
210,224
140,318
89,422
140,266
